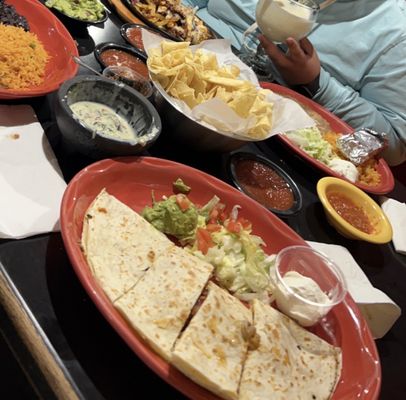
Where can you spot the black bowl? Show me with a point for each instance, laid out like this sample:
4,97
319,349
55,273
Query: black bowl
127,102
297,196
100,48
126,27
72,20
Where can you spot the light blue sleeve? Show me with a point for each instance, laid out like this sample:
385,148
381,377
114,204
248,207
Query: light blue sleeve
380,103
194,3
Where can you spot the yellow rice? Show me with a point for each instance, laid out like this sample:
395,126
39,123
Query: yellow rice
368,174
22,58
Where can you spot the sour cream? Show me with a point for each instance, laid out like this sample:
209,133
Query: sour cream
280,19
103,120
306,313
344,168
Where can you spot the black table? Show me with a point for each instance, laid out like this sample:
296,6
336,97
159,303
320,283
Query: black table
63,344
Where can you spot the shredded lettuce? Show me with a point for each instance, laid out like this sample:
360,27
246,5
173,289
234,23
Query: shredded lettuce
311,141
241,265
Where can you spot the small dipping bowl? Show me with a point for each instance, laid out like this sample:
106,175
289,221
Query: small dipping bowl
114,54
307,297
355,202
132,34
130,78
266,182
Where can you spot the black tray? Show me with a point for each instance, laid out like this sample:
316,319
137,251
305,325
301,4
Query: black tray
139,15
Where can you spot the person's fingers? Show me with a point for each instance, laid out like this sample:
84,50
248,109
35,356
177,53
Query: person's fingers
276,55
294,49
306,46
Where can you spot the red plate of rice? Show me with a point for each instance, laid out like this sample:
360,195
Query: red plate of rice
56,41
377,176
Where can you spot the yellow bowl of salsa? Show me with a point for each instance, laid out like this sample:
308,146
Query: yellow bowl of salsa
352,212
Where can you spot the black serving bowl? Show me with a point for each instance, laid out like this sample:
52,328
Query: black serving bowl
100,48
75,21
125,101
127,27
231,163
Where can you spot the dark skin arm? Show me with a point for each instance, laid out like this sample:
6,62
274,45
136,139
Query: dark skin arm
299,66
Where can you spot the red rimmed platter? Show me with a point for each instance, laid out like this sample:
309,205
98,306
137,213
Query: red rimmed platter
58,43
337,125
131,180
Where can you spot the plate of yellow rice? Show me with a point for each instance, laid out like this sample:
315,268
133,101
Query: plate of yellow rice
35,62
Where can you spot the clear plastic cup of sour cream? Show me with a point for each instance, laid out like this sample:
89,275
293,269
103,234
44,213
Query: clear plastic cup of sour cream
130,78
307,284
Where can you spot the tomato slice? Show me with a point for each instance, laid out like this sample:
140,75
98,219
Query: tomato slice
182,201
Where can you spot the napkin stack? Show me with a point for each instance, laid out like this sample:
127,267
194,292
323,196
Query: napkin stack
396,213
31,183
378,309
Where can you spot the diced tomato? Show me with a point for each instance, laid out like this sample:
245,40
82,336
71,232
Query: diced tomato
218,214
223,216
204,240
233,226
213,215
244,223
213,227
182,201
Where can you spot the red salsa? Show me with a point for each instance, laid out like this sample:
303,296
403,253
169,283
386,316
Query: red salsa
134,35
122,58
264,184
348,210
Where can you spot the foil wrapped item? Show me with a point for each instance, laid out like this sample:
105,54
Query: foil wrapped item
362,145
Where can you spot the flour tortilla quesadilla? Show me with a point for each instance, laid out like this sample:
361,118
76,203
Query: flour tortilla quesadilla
212,348
290,362
158,306
119,244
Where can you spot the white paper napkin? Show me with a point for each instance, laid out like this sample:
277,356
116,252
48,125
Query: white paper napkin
396,213
31,183
378,309
287,115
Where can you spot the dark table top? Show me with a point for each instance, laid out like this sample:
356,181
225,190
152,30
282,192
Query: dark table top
93,358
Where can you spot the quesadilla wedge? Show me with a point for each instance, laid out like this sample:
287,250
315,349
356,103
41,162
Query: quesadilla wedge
212,348
119,244
290,362
158,306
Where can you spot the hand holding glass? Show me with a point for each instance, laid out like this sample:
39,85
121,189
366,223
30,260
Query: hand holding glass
280,19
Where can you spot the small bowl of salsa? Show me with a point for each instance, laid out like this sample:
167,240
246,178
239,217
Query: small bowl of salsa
266,182
113,54
132,34
352,212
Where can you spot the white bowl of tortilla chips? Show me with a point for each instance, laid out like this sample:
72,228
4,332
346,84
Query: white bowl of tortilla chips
210,100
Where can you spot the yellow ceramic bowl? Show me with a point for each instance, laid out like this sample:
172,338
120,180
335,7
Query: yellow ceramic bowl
382,227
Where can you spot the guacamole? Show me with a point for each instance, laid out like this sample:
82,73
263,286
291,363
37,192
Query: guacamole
86,10
167,217
180,187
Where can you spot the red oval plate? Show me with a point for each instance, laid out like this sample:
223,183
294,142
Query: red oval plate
337,125
131,180
57,42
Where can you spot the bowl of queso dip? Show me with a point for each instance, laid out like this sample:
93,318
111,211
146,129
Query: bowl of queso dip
100,118
352,212
266,182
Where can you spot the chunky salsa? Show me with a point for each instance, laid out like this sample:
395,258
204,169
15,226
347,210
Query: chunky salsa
264,184
134,36
348,210
119,57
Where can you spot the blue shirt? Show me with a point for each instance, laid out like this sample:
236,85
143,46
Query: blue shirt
362,48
